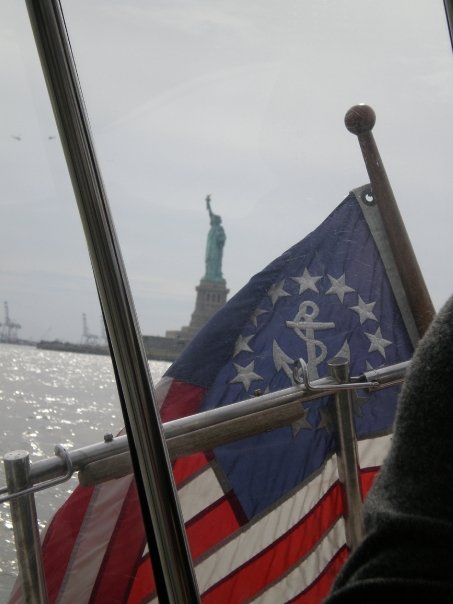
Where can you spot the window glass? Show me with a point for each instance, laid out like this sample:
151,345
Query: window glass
219,132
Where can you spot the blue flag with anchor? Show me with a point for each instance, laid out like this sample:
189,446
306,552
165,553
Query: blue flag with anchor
264,515
270,510
335,293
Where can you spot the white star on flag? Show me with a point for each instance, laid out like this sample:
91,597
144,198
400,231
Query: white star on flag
242,344
377,342
246,375
256,313
276,291
307,281
339,287
365,311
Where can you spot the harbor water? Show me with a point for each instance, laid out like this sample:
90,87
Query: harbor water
49,398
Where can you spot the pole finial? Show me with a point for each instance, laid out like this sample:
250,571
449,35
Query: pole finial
360,119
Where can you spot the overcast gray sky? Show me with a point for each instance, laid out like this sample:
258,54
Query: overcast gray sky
244,100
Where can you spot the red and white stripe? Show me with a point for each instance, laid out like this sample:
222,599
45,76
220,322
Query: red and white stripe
304,533
96,547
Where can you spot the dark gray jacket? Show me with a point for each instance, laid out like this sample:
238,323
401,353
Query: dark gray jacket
407,554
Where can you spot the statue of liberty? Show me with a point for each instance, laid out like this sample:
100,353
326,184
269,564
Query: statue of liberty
214,246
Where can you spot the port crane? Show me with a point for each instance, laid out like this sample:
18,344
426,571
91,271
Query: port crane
88,338
9,327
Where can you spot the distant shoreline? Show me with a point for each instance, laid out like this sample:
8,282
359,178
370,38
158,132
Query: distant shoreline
157,348
60,346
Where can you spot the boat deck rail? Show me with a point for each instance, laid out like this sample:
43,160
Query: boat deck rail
200,432
110,459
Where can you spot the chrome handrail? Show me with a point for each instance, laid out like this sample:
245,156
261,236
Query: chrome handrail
200,432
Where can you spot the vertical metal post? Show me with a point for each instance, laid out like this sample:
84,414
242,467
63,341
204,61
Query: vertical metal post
448,4
25,526
172,565
360,120
348,459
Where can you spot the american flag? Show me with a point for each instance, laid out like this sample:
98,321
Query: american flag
264,515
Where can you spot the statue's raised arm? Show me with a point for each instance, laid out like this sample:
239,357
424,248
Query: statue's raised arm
208,205
214,245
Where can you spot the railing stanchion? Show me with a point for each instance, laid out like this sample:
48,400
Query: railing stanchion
348,458
25,527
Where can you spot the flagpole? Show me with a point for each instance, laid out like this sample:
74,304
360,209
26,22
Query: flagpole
360,120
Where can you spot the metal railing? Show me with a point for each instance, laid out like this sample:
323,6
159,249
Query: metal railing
110,459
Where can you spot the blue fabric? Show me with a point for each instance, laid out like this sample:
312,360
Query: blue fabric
334,281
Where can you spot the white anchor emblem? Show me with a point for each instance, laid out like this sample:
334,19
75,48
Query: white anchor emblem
309,311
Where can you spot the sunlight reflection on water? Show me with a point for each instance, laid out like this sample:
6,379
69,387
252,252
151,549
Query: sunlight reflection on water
49,398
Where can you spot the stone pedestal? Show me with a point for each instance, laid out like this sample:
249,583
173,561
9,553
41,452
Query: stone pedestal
211,295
